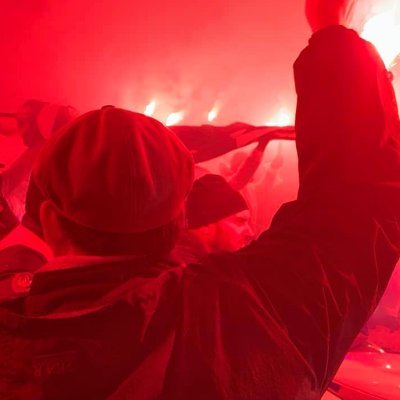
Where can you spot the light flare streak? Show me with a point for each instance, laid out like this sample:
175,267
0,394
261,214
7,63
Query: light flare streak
282,118
213,114
383,30
174,118
150,108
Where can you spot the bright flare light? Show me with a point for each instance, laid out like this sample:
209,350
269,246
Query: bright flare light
213,114
282,118
383,30
174,118
150,108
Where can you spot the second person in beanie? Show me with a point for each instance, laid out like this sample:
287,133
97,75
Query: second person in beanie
218,220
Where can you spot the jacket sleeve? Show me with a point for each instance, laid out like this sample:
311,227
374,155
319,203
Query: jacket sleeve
316,275
247,169
328,256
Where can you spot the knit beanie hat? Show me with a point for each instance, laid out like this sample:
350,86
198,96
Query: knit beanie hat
115,171
212,199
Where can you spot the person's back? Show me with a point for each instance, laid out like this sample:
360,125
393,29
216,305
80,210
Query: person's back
273,320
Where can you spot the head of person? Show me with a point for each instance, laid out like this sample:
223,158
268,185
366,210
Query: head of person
349,13
113,182
37,120
218,215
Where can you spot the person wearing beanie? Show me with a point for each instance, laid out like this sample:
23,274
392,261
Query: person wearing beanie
111,317
217,220
211,199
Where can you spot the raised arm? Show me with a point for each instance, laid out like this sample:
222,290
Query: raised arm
250,165
341,237
298,296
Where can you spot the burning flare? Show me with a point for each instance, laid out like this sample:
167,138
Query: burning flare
150,108
282,118
383,30
174,118
213,114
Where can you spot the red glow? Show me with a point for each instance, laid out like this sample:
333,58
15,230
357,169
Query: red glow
184,62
